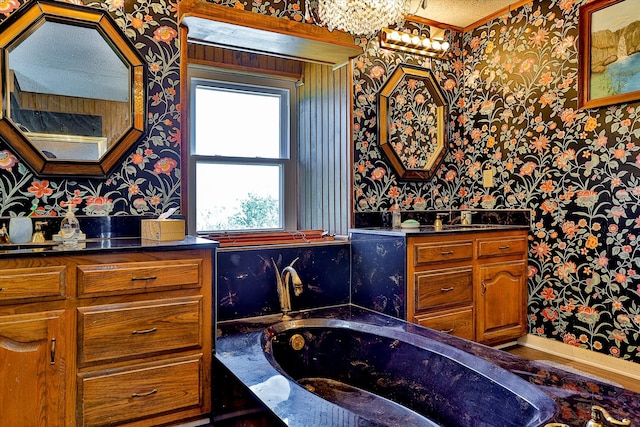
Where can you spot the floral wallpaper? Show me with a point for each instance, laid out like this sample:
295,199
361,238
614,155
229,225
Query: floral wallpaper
511,88
511,85
147,180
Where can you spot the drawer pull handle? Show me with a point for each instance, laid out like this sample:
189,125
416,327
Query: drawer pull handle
484,288
52,352
446,253
149,393
446,331
447,289
144,331
145,278
504,248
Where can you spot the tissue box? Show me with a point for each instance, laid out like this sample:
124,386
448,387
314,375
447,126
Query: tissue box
163,229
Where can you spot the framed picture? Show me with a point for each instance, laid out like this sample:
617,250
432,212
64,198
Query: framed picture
608,53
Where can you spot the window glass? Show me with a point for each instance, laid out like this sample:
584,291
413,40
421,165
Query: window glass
237,123
240,167
249,198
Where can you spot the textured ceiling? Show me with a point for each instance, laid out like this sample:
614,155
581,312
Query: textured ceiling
459,13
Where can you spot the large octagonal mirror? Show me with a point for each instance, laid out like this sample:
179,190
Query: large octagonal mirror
412,122
73,89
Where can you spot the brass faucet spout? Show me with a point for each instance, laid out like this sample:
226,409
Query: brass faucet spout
288,274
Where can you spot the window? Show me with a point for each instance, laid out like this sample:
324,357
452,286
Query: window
242,168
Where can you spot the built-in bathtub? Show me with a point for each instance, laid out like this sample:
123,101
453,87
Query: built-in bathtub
334,372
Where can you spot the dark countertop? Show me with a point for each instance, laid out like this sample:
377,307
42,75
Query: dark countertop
89,246
574,394
430,230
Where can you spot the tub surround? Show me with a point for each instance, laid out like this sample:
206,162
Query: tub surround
238,348
246,278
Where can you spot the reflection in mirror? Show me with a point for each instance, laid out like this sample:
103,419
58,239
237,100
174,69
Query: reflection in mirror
70,98
73,89
411,121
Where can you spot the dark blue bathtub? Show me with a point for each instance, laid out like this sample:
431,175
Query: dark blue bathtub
344,373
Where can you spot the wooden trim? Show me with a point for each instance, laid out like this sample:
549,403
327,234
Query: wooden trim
184,126
238,61
421,20
582,355
247,31
495,15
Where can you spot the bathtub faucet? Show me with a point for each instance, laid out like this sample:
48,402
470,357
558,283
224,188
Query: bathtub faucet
288,274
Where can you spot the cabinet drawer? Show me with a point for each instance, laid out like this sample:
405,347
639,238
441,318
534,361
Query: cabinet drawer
32,283
439,288
425,253
110,398
138,277
502,246
120,331
458,323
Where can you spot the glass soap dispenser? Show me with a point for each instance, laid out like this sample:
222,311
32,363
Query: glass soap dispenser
69,228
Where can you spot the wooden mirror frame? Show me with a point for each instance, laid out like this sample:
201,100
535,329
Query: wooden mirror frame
387,90
35,14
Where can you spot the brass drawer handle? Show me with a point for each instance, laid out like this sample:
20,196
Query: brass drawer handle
446,331
504,248
144,331
52,352
145,278
484,288
149,393
447,289
446,252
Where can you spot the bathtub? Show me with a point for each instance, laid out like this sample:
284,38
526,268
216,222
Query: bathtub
333,372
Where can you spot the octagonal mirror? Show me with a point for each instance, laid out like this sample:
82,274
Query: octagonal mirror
411,122
73,89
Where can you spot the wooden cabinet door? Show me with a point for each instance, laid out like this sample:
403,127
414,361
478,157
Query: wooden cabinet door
32,370
501,302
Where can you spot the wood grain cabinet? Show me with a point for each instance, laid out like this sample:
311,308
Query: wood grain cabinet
472,285
34,374
119,338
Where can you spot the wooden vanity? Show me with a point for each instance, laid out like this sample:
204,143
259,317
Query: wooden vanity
104,337
471,283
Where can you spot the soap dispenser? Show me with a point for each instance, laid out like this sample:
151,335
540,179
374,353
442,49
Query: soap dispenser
69,228
396,217
437,225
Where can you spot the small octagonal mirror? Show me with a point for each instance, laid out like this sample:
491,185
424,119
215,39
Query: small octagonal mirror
411,122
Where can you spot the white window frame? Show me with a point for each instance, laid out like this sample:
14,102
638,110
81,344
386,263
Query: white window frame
198,75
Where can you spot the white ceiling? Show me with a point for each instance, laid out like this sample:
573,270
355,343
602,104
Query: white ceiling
459,13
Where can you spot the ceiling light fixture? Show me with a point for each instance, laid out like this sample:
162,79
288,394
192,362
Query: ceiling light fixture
412,43
362,17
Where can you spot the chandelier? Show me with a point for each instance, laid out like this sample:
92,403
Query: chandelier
362,17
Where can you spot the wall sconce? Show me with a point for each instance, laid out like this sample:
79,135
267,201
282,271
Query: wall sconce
411,43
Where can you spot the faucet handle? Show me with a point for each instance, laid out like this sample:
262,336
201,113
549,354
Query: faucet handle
598,412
